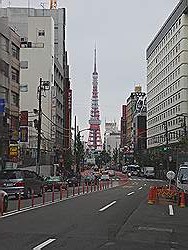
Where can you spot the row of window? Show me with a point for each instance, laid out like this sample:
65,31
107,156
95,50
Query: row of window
164,51
172,111
162,85
164,104
4,45
166,69
161,139
165,39
173,87
157,129
169,79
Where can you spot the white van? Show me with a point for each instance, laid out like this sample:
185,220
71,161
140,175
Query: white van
182,178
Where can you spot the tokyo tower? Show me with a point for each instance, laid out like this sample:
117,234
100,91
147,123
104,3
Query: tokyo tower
94,140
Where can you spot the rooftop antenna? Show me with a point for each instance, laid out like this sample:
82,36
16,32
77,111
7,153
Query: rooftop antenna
42,5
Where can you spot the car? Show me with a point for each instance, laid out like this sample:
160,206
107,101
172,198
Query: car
182,178
89,179
133,170
73,181
105,176
23,182
4,198
56,182
111,172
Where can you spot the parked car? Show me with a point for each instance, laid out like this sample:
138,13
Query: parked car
105,176
182,178
55,181
111,172
89,179
4,196
73,181
18,181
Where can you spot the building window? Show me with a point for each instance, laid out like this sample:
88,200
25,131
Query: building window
24,64
4,43
4,68
15,75
41,33
15,99
15,51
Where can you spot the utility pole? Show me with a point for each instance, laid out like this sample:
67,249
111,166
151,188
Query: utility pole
39,126
43,86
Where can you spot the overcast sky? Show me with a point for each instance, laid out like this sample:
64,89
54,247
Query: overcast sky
122,30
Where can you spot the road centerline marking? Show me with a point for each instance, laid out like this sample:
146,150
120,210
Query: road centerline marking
140,188
171,210
130,193
47,242
107,206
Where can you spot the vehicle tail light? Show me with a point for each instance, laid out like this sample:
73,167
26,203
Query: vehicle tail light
19,184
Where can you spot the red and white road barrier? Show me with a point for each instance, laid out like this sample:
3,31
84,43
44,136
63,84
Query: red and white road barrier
43,196
83,188
61,192
53,193
2,204
32,198
19,202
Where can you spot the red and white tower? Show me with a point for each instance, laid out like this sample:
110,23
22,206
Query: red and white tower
94,140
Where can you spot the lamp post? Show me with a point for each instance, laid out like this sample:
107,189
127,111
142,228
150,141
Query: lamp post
43,86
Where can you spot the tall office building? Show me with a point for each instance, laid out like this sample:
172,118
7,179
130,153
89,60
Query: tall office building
167,79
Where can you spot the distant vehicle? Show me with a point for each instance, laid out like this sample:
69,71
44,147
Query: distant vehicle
124,169
55,181
149,172
89,179
17,181
133,170
5,200
182,178
105,176
73,181
111,173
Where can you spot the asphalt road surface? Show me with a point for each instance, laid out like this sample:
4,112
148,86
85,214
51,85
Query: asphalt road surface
113,219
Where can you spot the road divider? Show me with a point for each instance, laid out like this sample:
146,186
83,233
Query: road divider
171,211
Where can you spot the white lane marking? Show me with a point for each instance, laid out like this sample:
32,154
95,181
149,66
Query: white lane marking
47,242
140,188
171,211
107,206
144,184
130,193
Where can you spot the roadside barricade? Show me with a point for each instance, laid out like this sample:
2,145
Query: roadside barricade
166,195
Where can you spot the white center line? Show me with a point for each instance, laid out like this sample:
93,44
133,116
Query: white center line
43,244
171,211
130,193
107,206
140,188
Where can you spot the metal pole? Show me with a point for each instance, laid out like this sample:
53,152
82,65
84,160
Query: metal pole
39,127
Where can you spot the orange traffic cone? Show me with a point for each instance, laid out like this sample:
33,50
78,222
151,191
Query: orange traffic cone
151,198
182,200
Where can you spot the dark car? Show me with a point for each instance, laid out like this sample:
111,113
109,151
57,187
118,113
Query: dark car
73,181
23,182
56,182
89,179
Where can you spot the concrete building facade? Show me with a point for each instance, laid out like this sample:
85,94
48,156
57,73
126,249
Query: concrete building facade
9,92
167,79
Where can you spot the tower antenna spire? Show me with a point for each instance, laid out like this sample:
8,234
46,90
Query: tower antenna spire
95,59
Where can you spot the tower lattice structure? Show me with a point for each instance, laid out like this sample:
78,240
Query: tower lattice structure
94,140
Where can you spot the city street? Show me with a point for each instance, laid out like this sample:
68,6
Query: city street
117,218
